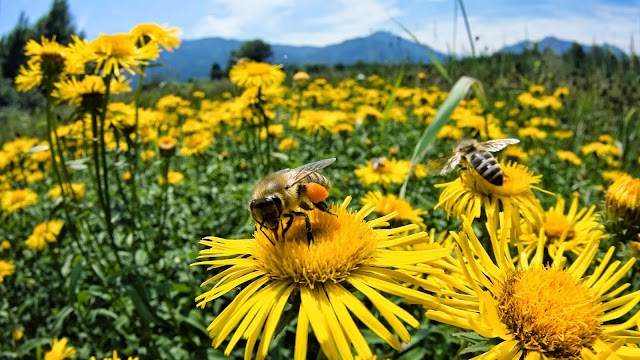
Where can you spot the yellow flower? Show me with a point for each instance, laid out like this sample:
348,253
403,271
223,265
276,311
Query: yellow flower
6,245
450,132
147,154
563,134
535,311
196,144
6,268
387,204
300,77
76,190
287,144
88,92
470,194
44,233
248,74
115,356
568,156
532,132
612,175
29,77
536,89
174,178
622,200
112,53
126,176
198,94
561,91
167,145
274,131
571,231
348,254
515,153
60,350
383,171
165,37
14,200
46,63
17,334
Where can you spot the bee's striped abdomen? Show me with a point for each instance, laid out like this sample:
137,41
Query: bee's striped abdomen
487,166
318,179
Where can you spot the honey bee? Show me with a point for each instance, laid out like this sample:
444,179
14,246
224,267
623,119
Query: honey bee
477,155
377,163
281,193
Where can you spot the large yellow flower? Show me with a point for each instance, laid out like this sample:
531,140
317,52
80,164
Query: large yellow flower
248,74
470,194
14,200
44,233
113,53
347,254
89,92
538,311
60,350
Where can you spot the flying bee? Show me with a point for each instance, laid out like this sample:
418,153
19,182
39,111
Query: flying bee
281,193
477,155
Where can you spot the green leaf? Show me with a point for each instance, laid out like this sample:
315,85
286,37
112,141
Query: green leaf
457,94
60,317
471,336
31,344
414,354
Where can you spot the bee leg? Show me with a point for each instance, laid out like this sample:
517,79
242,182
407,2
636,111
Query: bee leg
267,236
307,223
322,206
289,223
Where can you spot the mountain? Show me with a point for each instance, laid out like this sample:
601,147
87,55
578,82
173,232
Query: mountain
556,45
194,58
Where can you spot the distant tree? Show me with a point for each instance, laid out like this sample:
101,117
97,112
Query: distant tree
216,72
575,56
58,22
12,47
256,50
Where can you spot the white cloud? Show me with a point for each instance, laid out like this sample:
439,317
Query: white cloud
234,19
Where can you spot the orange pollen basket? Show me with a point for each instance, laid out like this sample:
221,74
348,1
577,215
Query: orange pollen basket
316,192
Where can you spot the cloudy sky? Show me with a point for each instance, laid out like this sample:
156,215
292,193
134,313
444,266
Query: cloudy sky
496,23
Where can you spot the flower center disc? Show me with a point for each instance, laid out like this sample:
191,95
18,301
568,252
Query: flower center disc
341,242
548,311
556,225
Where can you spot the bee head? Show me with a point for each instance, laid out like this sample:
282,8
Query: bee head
267,211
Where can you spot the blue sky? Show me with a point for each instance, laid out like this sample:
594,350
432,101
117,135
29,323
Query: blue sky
297,22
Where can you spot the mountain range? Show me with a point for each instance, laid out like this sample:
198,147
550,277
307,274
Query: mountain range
194,58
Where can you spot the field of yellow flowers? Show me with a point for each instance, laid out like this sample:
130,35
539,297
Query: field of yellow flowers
126,232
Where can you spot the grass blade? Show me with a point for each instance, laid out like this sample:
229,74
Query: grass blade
457,94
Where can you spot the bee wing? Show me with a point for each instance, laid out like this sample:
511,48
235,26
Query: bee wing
301,172
497,145
442,165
